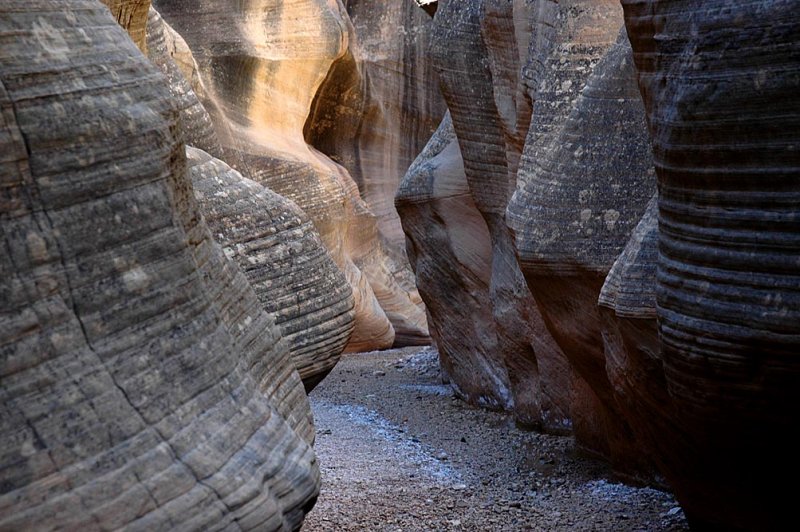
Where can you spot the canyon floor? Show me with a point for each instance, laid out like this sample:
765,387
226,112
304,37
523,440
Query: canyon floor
398,451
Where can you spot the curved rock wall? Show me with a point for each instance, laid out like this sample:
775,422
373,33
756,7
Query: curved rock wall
275,245
142,384
269,237
476,44
263,75
720,81
583,184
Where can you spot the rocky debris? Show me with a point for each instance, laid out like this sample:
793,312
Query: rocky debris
720,82
378,457
262,75
142,384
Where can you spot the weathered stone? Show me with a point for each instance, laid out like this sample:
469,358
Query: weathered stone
275,245
450,251
131,15
142,384
376,110
582,188
264,74
720,81
477,51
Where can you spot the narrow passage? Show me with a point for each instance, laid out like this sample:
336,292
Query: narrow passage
399,452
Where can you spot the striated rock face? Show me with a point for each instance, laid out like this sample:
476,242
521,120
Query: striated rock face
142,384
263,75
584,182
516,363
275,245
131,15
720,82
450,250
269,237
375,112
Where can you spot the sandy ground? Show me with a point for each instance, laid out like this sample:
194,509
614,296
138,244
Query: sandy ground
399,452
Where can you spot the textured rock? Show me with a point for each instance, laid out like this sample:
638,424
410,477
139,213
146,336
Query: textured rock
450,250
131,15
268,236
142,384
720,82
516,363
275,245
375,112
263,73
585,178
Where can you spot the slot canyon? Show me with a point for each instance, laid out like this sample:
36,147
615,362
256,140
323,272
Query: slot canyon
399,265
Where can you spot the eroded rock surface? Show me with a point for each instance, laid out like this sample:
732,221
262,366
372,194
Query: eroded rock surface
268,236
583,185
720,81
142,384
475,44
263,74
275,245
376,110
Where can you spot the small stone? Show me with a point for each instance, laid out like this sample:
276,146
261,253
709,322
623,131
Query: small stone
674,511
379,373
441,456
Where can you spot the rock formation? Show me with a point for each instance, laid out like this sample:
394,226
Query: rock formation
275,245
376,110
268,236
142,384
262,75
720,81
450,250
475,43
584,181
131,15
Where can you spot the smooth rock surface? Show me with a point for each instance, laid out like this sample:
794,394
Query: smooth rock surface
142,384
263,74
720,81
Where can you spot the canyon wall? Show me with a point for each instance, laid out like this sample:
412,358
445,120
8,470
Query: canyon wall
268,236
269,69
143,385
671,317
720,82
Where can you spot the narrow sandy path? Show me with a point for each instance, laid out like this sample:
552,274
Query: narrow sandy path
399,452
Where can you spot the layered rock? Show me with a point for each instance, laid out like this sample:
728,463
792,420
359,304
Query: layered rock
268,236
142,384
720,82
131,15
583,186
477,51
450,250
376,110
263,75
275,245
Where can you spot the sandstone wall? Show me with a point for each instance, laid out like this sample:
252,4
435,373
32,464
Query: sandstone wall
262,76
142,383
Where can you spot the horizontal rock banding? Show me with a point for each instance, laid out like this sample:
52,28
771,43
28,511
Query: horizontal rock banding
142,384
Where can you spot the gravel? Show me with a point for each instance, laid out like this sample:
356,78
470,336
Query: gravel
399,452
